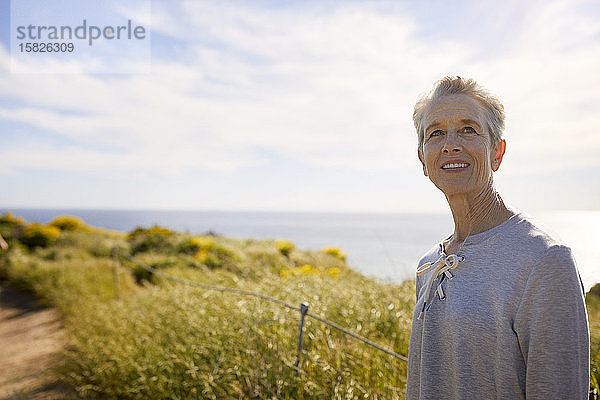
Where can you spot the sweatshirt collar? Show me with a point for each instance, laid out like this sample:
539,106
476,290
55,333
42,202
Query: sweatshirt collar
485,235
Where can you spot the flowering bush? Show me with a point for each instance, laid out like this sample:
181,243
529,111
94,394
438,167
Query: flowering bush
9,219
195,244
69,223
38,235
155,238
153,230
11,227
334,251
212,255
209,259
284,247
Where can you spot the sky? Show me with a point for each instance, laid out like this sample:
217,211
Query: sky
305,106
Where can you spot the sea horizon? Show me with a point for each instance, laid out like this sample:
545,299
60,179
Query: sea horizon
383,245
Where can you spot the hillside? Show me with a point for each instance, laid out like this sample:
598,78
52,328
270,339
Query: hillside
165,339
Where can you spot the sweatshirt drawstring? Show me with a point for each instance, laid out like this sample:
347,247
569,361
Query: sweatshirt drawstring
443,265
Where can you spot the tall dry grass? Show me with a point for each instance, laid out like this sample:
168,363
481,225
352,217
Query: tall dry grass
165,340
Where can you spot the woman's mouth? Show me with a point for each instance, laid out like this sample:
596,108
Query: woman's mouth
455,166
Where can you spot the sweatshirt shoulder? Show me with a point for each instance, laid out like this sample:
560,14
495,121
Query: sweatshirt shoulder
558,262
541,251
529,237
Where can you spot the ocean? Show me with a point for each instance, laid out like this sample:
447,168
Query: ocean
384,246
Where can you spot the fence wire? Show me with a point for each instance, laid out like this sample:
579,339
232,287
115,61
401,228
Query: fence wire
301,309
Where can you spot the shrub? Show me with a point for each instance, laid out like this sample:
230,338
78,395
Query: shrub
69,223
35,235
153,230
11,227
155,238
284,247
187,247
216,257
208,259
334,251
141,274
10,219
195,244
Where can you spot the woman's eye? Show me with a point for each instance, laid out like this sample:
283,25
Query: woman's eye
469,129
435,133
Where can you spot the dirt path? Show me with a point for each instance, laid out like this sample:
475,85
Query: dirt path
31,340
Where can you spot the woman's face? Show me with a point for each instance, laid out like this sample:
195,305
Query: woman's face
457,154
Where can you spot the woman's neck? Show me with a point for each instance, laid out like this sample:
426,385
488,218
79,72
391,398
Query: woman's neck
477,213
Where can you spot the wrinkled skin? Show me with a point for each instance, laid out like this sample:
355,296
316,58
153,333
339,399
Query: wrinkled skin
456,133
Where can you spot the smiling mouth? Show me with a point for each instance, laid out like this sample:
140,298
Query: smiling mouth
455,165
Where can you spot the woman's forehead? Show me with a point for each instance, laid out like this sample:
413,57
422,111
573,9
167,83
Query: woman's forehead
453,108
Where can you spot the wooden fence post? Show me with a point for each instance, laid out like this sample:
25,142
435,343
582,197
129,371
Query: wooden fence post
303,311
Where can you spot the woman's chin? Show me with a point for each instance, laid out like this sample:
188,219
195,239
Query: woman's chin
453,189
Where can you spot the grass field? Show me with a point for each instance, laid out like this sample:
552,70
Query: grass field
167,340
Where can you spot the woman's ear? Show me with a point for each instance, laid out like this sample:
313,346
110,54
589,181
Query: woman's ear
498,154
422,162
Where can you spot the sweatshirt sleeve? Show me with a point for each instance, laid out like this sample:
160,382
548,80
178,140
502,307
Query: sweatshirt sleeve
552,329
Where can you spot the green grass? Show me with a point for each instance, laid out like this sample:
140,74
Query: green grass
167,340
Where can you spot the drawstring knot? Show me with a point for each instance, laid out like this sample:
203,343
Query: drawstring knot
442,265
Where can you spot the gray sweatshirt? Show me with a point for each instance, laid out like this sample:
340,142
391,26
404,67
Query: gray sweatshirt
511,323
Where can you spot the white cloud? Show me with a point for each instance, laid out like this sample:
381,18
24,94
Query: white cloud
322,85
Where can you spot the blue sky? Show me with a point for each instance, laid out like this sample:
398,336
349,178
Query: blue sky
305,106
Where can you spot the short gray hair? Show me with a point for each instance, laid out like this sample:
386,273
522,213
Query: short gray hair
448,85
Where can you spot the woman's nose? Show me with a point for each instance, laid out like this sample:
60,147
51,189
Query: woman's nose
451,145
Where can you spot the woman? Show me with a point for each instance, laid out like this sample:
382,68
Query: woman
500,311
